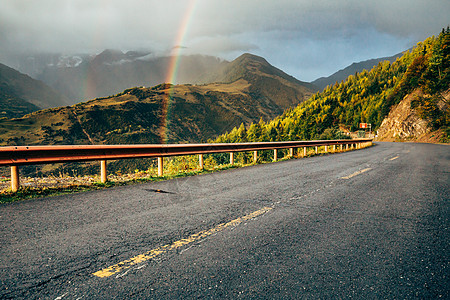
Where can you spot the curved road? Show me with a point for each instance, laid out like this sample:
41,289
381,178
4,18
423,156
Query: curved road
372,223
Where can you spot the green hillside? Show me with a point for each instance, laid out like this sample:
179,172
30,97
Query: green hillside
366,97
12,106
196,112
358,67
21,93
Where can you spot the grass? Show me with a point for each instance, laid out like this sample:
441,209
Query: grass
25,193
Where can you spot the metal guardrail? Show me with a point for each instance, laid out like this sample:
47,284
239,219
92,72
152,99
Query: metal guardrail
15,156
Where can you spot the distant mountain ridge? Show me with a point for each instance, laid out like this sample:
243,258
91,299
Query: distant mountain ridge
356,67
244,67
113,71
197,112
265,80
21,94
84,77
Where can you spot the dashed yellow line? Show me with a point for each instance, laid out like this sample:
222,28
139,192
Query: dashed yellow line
356,173
166,248
394,158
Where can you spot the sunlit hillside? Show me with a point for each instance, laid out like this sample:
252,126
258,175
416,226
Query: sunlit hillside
367,97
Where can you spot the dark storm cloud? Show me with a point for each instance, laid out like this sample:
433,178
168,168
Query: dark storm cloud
305,38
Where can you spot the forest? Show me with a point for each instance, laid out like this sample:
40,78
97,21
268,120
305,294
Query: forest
365,97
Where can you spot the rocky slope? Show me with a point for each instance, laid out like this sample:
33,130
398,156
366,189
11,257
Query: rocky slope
404,124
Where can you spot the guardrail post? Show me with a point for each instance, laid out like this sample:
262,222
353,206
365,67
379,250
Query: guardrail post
317,149
255,156
103,176
160,167
200,161
334,148
305,151
15,181
326,149
291,152
231,158
275,155
342,147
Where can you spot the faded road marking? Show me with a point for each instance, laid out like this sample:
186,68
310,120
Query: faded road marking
166,248
394,158
356,173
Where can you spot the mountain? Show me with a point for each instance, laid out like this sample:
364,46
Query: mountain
267,82
21,94
358,67
194,113
404,123
404,100
12,106
112,71
33,64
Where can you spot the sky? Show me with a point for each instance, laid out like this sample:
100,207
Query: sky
306,39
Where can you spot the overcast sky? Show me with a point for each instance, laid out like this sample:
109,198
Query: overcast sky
305,38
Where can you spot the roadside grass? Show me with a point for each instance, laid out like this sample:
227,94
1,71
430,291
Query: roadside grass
181,168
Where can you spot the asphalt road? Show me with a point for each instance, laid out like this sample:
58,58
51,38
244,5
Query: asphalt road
372,223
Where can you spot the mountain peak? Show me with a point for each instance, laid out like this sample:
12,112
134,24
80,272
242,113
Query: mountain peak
251,67
108,56
251,57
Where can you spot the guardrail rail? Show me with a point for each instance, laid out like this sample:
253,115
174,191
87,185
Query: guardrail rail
16,156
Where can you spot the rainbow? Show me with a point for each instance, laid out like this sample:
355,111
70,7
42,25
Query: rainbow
173,69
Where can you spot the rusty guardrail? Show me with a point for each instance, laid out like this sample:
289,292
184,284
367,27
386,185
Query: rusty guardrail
15,156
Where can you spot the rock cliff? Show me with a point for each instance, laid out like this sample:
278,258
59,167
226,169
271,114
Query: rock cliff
404,124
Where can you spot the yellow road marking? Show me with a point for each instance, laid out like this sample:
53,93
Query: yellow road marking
166,248
394,158
356,173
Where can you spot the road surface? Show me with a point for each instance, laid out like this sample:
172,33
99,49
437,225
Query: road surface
371,223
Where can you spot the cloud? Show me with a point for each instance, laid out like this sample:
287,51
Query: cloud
294,34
